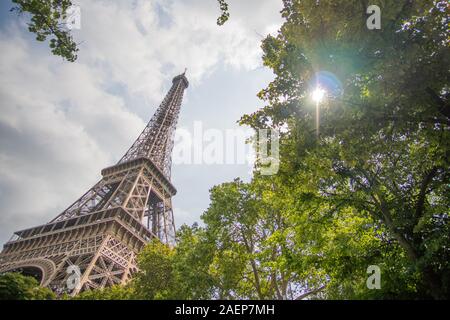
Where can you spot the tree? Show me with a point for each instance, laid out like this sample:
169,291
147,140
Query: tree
274,238
194,254
48,21
155,278
15,286
252,227
383,146
116,292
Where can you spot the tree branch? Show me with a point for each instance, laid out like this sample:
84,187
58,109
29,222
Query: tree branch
423,191
314,291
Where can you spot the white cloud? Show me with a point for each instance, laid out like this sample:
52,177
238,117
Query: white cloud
61,122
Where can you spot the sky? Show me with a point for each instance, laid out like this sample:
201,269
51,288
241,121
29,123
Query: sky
62,122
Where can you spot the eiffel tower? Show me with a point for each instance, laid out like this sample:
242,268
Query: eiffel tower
102,232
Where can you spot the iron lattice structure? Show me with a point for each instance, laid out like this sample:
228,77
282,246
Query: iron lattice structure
102,232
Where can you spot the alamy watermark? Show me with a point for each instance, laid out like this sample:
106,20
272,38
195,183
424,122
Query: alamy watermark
373,22
374,280
228,147
74,279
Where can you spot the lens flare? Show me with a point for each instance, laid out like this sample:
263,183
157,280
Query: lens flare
318,94
328,82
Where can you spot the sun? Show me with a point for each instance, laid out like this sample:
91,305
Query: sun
318,94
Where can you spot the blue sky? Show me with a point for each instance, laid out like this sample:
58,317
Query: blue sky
61,122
